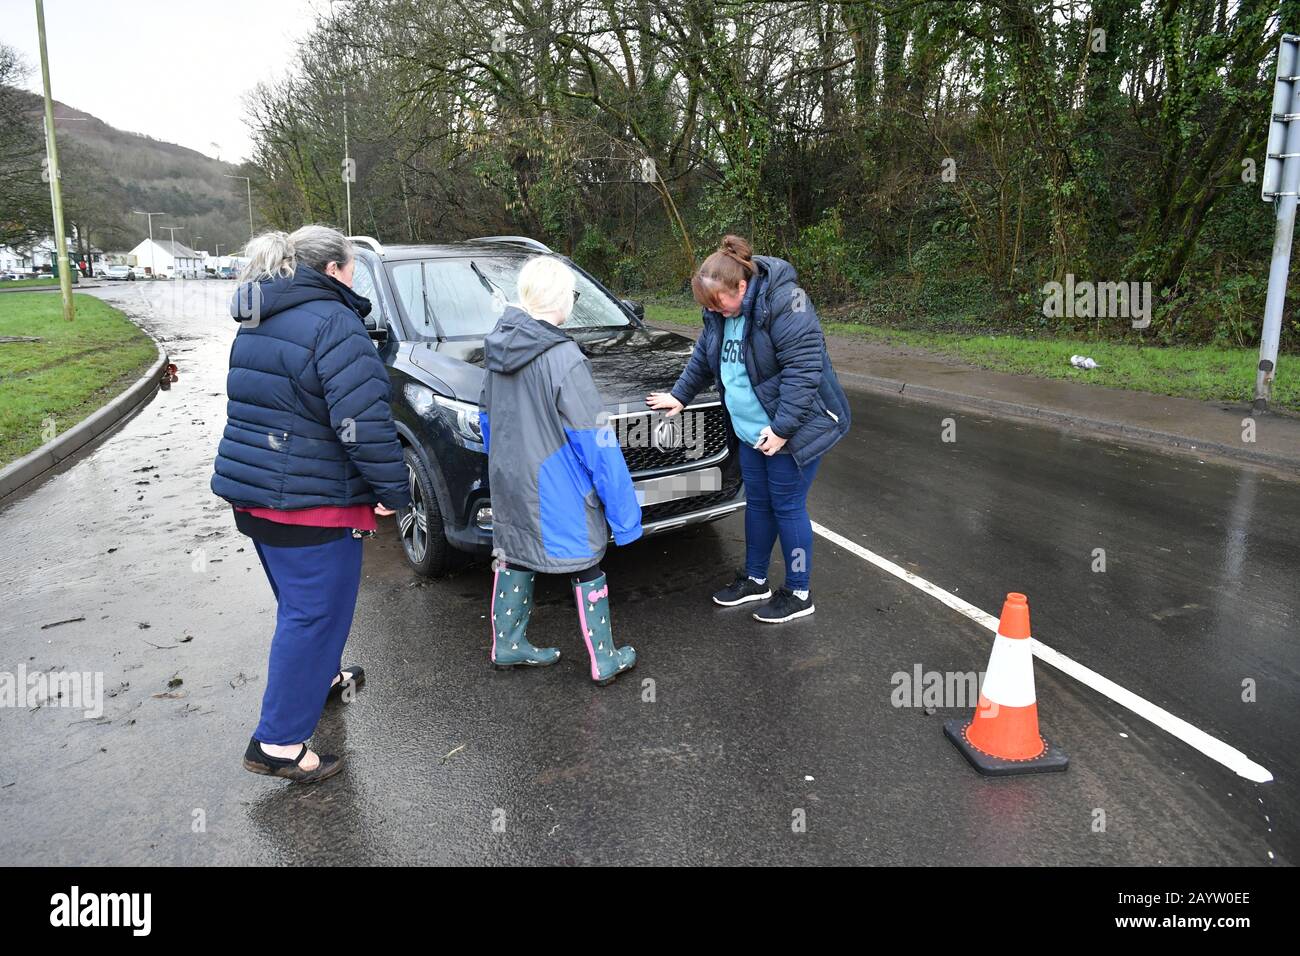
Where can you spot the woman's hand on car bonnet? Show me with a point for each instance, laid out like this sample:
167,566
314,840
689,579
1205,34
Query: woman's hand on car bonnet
664,401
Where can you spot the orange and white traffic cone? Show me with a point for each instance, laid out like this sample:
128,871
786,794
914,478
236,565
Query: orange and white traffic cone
1002,738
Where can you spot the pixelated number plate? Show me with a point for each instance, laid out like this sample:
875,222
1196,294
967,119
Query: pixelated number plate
655,491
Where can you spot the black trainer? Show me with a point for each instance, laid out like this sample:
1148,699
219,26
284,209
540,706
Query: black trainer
742,591
785,606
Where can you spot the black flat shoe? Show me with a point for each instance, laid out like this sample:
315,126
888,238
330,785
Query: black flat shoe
356,680
256,760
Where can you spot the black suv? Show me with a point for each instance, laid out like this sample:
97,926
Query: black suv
432,307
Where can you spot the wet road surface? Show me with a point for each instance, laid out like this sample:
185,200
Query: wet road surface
744,731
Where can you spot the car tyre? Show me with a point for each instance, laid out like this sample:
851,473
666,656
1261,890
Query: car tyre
420,526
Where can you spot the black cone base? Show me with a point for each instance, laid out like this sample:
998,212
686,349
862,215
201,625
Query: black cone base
1051,760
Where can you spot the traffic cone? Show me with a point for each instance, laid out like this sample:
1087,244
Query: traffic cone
1002,738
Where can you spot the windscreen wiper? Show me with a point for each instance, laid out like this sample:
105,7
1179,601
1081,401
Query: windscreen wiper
487,283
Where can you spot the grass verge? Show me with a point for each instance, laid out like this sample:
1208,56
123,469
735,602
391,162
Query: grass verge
74,368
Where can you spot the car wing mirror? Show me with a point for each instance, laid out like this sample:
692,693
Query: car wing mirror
378,331
636,308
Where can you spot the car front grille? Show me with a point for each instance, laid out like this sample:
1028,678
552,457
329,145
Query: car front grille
652,442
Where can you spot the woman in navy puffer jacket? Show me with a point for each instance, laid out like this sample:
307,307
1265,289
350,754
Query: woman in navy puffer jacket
763,347
308,452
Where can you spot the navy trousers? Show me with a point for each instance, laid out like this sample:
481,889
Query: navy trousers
776,490
316,592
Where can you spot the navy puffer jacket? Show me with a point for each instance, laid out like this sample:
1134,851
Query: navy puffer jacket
308,422
786,360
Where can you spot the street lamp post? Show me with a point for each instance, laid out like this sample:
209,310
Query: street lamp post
52,161
349,171
153,271
1281,184
173,229
249,184
197,252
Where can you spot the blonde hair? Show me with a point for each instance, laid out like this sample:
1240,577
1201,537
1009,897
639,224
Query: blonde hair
275,254
545,285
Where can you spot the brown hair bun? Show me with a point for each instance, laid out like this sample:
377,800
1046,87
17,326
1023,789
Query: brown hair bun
723,271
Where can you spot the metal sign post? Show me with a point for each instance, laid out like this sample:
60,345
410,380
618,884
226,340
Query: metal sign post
1281,182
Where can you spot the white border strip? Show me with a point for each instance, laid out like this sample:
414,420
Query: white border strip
1212,747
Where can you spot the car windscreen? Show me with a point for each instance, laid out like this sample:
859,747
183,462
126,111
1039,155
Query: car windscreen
464,297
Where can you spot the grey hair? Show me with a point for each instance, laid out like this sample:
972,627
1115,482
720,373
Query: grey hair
275,254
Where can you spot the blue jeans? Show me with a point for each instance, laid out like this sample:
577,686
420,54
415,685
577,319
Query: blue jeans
777,489
316,592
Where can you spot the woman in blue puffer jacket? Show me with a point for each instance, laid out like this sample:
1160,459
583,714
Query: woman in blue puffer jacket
309,451
763,346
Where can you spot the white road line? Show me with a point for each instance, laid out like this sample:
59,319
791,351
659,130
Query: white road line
1212,747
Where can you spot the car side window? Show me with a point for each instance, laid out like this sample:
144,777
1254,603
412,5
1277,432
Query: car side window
363,284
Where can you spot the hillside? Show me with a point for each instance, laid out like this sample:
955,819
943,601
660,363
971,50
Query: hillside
108,172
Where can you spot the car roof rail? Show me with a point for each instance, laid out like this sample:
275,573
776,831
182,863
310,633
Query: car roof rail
369,242
516,240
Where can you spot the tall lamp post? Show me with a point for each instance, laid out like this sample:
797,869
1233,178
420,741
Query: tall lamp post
153,271
1281,184
52,161
349,171
172,230
249,184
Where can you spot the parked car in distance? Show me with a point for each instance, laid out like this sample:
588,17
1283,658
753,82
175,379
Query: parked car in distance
227,272
432,305
119,273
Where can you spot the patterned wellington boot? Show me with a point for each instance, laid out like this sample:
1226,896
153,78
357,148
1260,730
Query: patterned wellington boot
512,604
607,661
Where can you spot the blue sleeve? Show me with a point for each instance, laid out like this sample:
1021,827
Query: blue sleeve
483,412
596,446
357,391
698,375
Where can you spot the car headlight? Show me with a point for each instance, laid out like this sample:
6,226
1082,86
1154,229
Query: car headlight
420,399
463,416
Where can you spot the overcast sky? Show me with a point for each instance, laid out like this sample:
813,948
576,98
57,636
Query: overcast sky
110,58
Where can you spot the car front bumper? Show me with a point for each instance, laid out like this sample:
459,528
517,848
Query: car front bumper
478,540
